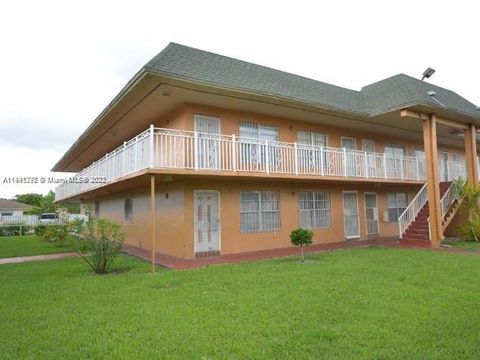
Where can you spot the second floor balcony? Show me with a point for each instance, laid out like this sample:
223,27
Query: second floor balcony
195,152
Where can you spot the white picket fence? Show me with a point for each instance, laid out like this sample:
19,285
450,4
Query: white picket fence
190,150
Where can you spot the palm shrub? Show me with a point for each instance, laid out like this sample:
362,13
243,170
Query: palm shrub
470,231
301,237
99,242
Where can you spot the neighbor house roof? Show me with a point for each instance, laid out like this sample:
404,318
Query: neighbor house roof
13,205
390,94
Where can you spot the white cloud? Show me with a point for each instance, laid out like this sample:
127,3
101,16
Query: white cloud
62,62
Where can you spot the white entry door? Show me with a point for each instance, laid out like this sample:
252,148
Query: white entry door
350,159
443,166
207,142
207,220
371,213
350,215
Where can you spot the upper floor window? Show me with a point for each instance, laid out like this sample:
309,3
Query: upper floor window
128,209
394,150
314,209
305,137
396,204
258,131
259,211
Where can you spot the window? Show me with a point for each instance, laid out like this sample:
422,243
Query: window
309,151
396,205
394,150
314,209
97,209
259,211
253,139
128,209
311,138
6,214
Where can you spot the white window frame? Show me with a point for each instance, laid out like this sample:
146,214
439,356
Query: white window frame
128,217
396,205
259,212
328,210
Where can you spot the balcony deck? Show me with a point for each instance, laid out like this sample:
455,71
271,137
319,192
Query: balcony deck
170,151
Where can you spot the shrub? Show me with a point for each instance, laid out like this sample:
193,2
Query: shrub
470,231
57,234
301,237
98,243
40,229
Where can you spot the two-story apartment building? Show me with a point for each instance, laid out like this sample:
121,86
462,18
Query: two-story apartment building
201,154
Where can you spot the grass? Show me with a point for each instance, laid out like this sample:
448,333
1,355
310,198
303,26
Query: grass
13,246
359,303
464,245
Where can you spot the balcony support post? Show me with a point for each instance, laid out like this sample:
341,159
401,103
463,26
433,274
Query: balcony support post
195,149
471,155
153,220
433,179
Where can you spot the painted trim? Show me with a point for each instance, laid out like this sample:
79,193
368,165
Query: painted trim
358,216
195,192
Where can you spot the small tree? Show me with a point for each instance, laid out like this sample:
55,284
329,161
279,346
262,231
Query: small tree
301,237
99,241
471,199
57,234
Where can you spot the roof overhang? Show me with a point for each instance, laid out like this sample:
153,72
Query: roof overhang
149,96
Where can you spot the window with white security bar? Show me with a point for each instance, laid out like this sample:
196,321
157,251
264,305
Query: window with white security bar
259,211
396,204
314,209
253,139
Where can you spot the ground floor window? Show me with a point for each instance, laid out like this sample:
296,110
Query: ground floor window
259,211
128,209
396,204
314,209
97,209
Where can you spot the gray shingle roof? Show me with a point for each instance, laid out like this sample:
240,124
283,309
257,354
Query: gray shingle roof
393,93
13,205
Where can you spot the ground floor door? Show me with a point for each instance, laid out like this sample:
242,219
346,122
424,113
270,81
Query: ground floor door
371,213
350,215
207,220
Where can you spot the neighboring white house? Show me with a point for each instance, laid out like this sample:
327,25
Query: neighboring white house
10,208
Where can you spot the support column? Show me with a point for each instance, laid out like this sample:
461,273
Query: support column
153,219
471,155
433,179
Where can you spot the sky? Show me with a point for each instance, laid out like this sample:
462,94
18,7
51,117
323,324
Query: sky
62,62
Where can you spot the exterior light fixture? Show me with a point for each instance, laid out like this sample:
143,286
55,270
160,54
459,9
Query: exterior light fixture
427,73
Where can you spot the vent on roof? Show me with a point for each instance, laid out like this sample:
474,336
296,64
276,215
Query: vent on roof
432,94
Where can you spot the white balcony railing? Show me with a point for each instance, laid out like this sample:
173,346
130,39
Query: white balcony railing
189,150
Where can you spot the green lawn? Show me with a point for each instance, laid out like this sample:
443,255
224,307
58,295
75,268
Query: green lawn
362,303
12,246
465,245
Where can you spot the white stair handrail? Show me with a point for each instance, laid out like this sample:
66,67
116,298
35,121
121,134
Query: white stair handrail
412,210
449,198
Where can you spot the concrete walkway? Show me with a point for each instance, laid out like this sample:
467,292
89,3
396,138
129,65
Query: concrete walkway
22,259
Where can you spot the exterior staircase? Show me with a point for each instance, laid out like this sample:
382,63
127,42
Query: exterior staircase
418,232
